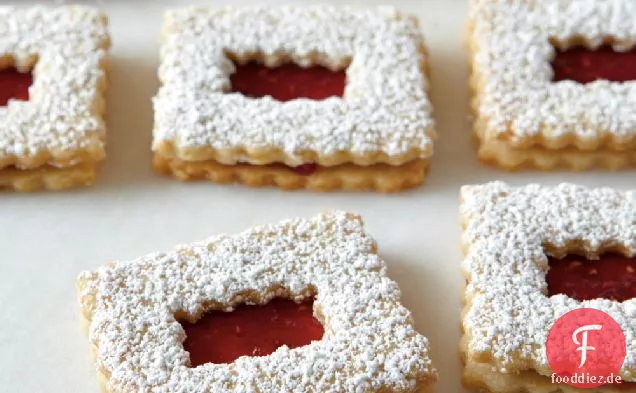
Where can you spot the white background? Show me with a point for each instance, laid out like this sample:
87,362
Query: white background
46,239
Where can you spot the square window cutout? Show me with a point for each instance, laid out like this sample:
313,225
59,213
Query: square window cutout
223,336
552,83
52,79
14,82
321,274
287,82
584,64
610,275
519,243
317,97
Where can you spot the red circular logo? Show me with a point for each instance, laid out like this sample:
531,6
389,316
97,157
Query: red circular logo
586,349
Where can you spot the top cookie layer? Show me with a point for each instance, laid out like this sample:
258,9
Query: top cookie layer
384,116
512,48
61,124
506,233
369,345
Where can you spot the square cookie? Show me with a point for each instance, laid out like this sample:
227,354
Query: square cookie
52,135
548,82
317,97
137,314
514,240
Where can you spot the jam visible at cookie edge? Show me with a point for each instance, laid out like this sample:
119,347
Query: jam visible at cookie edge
612,277
305,169
585,65
302,169
222,337
14,85
287,82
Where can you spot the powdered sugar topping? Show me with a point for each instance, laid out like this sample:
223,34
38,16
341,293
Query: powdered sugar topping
512,52
385,108
509,313
369,345
62,115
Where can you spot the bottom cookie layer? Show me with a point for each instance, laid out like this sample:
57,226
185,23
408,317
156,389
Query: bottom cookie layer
48,177
379,177
498,153
482,378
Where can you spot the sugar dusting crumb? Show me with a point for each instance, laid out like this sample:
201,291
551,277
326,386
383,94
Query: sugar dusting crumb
60,118
506,230
513,52
132,304
385,108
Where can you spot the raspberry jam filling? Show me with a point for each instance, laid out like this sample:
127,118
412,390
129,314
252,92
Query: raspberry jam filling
222,337
14,85
304,169
584,65
287,82
612,277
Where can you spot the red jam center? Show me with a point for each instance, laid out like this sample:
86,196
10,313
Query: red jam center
305,169
584,65
222,337
14,84
612,277
287,82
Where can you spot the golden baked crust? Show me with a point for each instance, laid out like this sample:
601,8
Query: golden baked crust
499,153
482,378
266,156
48,178
131,311
379,177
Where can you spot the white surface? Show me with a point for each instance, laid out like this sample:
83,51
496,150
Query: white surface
47,239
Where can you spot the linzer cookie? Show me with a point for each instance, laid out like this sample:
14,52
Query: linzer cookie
543,266
316,97
300,306
52,79
553,83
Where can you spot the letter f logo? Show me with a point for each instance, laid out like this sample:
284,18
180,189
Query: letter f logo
583,344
